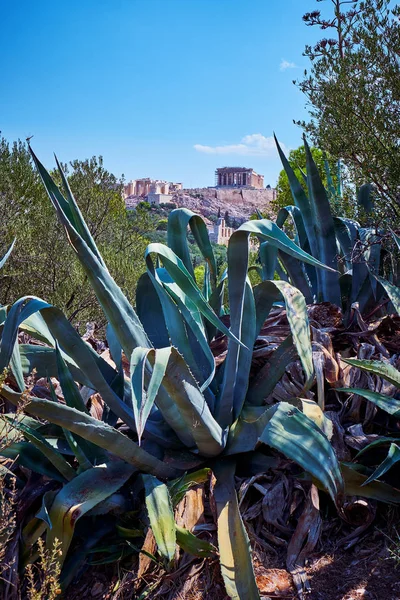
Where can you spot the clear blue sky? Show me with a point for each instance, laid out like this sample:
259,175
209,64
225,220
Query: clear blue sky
168,89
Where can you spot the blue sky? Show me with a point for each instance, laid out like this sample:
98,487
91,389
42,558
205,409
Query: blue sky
168,89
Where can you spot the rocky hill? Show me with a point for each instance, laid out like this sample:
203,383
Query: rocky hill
240,203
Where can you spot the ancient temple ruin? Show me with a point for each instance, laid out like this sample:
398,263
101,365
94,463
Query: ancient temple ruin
219,233
238,177
143,187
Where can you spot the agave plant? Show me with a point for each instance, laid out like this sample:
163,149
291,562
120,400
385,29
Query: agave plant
175,407
355,253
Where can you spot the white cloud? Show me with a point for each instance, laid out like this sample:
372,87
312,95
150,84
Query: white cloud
255,144
285,64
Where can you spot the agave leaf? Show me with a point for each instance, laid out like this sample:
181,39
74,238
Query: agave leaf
80,495
263,384
301,201
43,360
115,305
192,544
7,254
70,391
150,311
207,291
392,291
377,367
354,480
30,457
324,230
386,403
296,311
295,213
298,437
76,443
238,360
186,410
94,431
178,222
233,542
202,369
268,255
161,515
381,441
40,442
94,367
143,400
392,458
346,238
297,274
246,430
20,310
269,231
179,487
181,276
16,367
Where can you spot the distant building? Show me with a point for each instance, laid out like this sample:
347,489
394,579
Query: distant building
143,187
238,177
219,233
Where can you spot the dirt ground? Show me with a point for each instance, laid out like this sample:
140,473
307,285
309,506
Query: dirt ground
363,572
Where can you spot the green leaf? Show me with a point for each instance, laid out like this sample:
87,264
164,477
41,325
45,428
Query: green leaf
376,367
233,542
178,222
243,324
27,455
246,430
55,457
386,403
296,311
392,291
192,544
179,487
392,458
186,410
268,256
324,230
381,441
301,201
70,391
270,232
143,400
74,442
150,311
264,382
114,303
298,437
354,480
94,431
80,495
161,515
183,279
43,360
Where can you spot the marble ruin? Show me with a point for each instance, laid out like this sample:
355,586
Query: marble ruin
156,191
238,177
219,233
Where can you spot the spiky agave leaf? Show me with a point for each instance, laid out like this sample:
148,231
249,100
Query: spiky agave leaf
233,542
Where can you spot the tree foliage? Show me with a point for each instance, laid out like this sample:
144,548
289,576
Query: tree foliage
331,172
42,262
353,91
